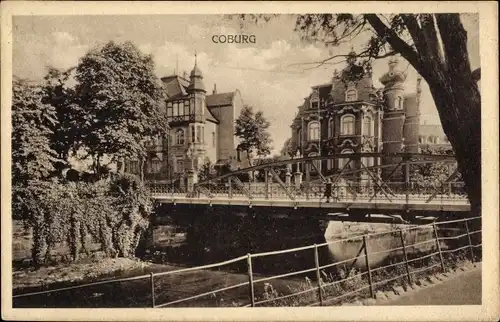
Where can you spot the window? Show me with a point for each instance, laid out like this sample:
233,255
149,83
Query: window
399,103
199,134
347,123
214,139
317,163
181,108
169,111
179,137
367,125
430,139
329,164
314,130
367,161
300,137
343,161
331,124
155,166
174,110
179,164
351,94
193,132
421,139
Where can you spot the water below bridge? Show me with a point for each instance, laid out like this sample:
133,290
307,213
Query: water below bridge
215,237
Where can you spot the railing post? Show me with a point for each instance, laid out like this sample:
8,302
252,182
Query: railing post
470,241
407,181
438,246
367,261
405,256
250,280
230,188
318,274
152,276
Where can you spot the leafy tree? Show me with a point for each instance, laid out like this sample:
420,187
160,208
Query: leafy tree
57,92
286,150
32,154
122,99
436,46
252,130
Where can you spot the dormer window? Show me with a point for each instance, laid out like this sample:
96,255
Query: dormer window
351,94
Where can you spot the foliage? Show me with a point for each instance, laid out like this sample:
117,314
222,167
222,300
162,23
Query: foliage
434,173
32,154
58,93
252,130
286,150
122,99
114,212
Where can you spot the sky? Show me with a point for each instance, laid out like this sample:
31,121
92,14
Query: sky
266,73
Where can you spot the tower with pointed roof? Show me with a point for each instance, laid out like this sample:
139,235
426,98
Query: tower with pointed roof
394,114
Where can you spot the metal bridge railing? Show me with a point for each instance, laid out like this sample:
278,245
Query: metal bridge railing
446,243
388,192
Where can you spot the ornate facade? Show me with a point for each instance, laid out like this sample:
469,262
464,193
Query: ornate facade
349,115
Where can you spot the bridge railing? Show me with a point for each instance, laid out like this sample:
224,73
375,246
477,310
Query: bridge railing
417,251
346,191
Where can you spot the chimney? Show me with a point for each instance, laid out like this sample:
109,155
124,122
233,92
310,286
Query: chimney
215,89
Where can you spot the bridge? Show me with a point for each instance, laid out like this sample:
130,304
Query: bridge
363,186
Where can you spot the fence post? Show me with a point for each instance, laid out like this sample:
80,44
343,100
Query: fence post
405,255
250,280
152,276
266,184
438,247
372,294
230,191
318,275
470,241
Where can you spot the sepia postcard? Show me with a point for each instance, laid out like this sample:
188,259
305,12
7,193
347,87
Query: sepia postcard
250,161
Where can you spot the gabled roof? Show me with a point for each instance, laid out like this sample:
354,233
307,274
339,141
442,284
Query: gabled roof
175,86
221,99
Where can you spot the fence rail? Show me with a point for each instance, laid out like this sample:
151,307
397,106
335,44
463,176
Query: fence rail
371,276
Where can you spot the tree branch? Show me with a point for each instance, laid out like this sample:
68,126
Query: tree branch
393,39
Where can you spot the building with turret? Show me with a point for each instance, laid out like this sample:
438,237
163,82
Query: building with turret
350,115
201,129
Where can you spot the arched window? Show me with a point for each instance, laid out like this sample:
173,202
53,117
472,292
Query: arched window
430,139
343,161
214,139
399,103
367,125
331,124
179,137
299,135
314,130
436,140
347,124
421,139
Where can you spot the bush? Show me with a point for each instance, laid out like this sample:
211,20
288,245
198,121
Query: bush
114,212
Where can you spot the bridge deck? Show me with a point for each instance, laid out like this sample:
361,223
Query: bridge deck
398,202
